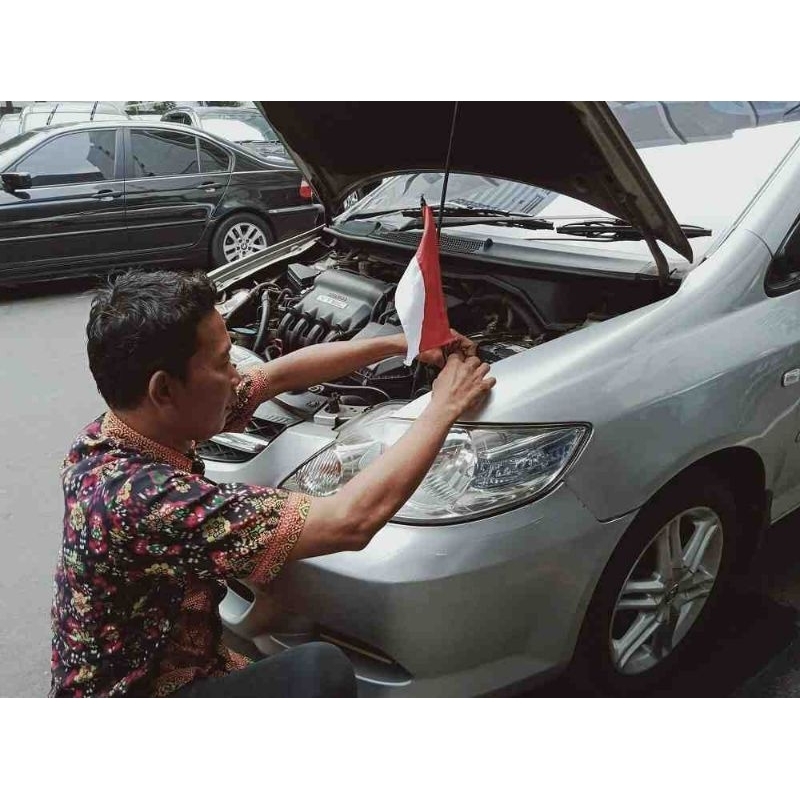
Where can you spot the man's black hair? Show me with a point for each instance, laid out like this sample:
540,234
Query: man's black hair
141,323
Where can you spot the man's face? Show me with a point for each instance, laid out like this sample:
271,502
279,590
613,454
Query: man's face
205,398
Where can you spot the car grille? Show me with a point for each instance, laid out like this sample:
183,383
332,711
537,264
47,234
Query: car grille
448,244
264,429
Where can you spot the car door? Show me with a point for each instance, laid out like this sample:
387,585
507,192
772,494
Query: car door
168,200
74,213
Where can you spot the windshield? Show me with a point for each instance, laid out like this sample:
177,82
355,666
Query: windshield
10,149
705,182
239,127
58,113
9,126
405,191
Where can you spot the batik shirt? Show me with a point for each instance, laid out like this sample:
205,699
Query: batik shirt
147,545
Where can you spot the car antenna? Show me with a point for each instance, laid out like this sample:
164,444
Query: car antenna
447,168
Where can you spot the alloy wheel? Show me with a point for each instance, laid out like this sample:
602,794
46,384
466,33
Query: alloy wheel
664,593
242,240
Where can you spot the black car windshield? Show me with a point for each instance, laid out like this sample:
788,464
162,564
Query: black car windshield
238,127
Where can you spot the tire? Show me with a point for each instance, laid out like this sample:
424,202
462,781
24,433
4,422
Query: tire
631,641
238,236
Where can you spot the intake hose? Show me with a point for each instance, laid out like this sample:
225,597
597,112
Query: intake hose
284,326
263,326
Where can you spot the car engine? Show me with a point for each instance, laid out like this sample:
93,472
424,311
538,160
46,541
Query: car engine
342,293
327,302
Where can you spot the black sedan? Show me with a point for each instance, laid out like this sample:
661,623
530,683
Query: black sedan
83,198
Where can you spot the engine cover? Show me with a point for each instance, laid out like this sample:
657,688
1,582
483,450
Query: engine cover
339,304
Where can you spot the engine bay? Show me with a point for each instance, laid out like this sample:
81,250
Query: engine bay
336,295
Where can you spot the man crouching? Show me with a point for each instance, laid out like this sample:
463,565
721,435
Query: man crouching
148,541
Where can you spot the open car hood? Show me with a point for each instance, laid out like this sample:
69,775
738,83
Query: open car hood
573,148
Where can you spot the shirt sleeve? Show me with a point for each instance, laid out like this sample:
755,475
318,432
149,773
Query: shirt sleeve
251,393
172,523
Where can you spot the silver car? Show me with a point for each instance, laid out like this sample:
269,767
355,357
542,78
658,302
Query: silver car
630,272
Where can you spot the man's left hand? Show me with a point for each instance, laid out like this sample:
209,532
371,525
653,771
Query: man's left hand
435,357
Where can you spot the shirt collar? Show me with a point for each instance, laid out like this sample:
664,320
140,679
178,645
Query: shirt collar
113,427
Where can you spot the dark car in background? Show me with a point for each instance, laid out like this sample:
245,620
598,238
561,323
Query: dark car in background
44,114
82,198
240,124
9,127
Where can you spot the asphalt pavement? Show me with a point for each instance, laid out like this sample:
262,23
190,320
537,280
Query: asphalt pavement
48,395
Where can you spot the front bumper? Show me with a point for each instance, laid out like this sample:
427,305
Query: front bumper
455,610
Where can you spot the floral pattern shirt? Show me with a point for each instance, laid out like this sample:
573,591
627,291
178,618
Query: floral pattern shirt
147,545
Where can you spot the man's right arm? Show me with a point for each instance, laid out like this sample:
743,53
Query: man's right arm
349,519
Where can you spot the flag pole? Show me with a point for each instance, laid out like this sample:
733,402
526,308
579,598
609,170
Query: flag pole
447,168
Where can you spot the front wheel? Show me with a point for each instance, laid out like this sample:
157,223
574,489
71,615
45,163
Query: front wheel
239,236
660,589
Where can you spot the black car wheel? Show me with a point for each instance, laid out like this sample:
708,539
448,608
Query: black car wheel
239,236
660,590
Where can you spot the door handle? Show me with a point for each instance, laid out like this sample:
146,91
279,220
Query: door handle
107,194
209,186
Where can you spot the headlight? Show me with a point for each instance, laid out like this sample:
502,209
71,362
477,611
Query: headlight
479,471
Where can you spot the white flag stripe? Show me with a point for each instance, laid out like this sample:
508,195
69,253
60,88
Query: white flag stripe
409,301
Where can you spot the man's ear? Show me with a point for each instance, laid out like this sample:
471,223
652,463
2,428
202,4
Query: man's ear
160,389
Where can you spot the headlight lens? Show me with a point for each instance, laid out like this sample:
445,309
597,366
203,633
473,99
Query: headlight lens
479,471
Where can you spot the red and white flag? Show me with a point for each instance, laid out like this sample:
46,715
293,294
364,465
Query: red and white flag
419,298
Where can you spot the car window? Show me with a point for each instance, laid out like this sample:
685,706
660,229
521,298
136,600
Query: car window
38,116
156,153
35,119
181,119
233,129
250,129
213,158
9,126
80,157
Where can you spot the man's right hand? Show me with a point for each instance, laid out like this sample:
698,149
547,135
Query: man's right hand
461,385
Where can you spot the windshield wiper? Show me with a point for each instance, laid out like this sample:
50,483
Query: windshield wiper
617,230
456,215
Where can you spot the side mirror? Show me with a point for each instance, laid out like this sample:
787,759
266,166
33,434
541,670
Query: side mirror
784,269
14,181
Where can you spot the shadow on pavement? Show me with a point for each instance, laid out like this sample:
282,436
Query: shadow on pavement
752,632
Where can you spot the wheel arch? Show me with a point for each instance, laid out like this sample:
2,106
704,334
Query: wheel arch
230,212
739,468
742,469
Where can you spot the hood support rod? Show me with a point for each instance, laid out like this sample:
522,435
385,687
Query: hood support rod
662,265
661,260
